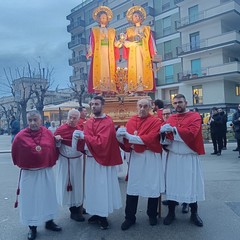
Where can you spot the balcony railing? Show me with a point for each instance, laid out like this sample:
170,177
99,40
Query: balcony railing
77,59
76,42
79,23
226,68
220,40
209,13
150,11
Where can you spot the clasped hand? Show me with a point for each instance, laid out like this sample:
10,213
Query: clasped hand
78,134
166,128
121,132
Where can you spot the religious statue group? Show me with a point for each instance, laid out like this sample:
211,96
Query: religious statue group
138,48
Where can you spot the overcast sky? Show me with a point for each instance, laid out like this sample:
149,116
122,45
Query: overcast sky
36,31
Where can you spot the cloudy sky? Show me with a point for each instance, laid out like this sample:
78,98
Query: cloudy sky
35,31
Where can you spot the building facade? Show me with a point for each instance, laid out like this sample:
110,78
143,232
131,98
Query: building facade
198,41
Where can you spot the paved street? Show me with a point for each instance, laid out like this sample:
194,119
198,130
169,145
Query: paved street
220,212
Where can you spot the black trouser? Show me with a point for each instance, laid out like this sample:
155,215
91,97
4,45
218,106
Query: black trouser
217,142
172,205
131,207
238,145
224,138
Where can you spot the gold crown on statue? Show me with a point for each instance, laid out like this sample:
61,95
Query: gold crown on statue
105,9
134,9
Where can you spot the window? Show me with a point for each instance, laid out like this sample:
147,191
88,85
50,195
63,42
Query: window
197,95
169,74
118,17
166,26
167,50
145,5
165,5
193,14
196,68
124,14
237,90
172,94
194,41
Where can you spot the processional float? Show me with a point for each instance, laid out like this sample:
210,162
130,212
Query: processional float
126,86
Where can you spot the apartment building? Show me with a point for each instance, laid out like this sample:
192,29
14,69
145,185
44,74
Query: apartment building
210,50
198,41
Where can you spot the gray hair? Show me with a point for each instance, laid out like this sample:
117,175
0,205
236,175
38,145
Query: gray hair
34,113
74,111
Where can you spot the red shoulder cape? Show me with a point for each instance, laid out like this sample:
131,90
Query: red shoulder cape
100,137
189,126
148,130
24,154
66,132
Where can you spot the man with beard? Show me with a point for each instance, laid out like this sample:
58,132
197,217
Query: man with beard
184,180
102,191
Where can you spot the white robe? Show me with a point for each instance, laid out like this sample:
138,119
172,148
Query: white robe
102,191
184,179
37,199
74,197
145,174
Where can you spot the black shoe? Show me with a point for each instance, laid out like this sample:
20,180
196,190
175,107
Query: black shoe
103,222
152,221
51,225
185,208
84,211
224,148
93,219
169,219
165,202
218,154
239,156
196,220
77,217
214,153
32,234
127,224
235,150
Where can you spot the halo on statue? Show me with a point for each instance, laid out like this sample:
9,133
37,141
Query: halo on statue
105,9
134,9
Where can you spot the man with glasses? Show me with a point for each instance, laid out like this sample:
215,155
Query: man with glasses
184,180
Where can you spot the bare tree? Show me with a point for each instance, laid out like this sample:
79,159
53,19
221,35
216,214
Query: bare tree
78,92
8,112
21,91
26,84
40,90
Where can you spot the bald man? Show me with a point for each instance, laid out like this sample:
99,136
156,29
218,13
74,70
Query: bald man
145,174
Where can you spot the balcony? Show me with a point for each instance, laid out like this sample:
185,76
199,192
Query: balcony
222,40
150,11
222,69
79,24
79,41
230,6
81,58
168,56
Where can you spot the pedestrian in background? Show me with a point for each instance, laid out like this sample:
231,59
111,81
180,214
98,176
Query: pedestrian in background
15,127
216,126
